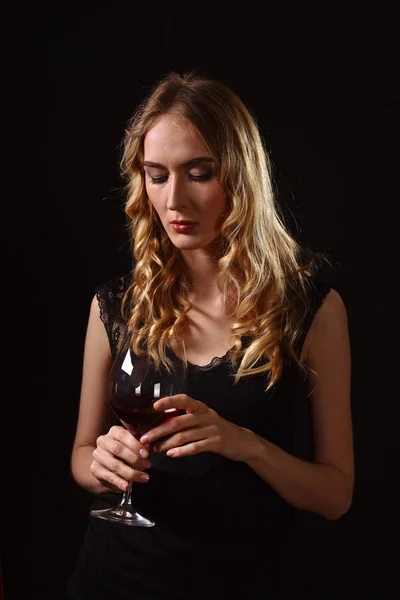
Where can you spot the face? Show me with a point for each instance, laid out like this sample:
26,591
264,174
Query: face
181,183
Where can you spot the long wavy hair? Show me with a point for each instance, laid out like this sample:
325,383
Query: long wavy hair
262,269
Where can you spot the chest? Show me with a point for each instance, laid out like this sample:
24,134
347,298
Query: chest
208,335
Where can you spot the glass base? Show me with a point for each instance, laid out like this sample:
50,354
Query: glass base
124,515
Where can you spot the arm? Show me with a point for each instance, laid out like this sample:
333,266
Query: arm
324,486
93,414
100,461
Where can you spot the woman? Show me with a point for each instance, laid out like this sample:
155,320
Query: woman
215,266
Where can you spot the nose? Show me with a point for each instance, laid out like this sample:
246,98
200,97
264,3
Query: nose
176,196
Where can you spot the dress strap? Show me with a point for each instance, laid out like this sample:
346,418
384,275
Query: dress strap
319,289
109,296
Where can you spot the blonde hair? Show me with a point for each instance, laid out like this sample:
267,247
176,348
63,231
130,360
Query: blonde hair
261,266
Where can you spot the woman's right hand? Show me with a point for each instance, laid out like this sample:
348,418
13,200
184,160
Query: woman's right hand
118,459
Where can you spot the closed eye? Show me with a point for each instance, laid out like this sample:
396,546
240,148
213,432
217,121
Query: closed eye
158,179
163,179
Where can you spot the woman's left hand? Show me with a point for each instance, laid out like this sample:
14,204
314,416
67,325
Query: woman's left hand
201,429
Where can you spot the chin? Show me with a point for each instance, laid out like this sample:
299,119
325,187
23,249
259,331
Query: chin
188,244
183,241
192,246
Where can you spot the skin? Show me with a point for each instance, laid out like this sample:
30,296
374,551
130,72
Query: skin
190,192
110,461
178,192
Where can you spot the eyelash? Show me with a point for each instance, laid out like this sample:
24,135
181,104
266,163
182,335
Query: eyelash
198,178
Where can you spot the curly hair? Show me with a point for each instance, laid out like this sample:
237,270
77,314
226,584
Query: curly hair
262,268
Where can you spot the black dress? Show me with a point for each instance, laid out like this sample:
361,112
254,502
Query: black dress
221,531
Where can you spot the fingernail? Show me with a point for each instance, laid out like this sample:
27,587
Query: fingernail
170,453
144,439
143,453
159,404
147,464
144,477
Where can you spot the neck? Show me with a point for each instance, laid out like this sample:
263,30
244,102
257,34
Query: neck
202,271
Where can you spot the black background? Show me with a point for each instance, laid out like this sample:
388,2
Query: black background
321,87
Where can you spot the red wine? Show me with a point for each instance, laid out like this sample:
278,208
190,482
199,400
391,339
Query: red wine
136,412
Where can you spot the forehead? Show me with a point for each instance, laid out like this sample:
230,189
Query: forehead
173,140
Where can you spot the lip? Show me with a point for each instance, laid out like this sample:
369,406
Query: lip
176,222
181,227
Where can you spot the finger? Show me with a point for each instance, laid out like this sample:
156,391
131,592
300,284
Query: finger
119,450
198,406
179,401
119,486
122,435
112,447
169,427
140,464
118,467
190,449
182,437
111,480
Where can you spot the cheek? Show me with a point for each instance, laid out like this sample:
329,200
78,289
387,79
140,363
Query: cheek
218,202
154,198
149,192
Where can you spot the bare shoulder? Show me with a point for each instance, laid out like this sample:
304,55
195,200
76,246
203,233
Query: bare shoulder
327,343
97,347
94,307
332,311
329,323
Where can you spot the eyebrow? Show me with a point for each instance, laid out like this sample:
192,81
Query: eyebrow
193,161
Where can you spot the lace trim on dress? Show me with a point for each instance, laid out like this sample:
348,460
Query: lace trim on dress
220,360
109,296
215,362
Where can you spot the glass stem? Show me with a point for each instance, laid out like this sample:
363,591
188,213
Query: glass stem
126,498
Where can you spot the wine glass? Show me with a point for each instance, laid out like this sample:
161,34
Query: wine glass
134,385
